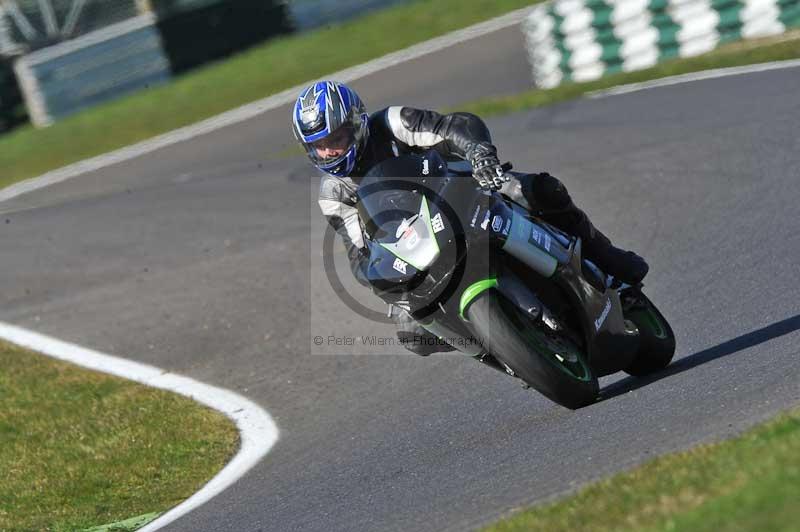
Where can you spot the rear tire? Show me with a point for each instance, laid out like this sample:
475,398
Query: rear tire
550,363
656,340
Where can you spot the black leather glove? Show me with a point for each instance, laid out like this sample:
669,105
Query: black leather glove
486,166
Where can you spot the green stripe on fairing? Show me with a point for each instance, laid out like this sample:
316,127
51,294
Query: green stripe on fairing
427,212
474,291
398,255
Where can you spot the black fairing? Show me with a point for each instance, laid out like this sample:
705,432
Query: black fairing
430,164
387,279
393,190
612,345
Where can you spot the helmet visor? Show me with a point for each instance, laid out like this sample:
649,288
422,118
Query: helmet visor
333,147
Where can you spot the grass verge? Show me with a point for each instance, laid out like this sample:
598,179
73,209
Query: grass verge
749,483
786,46
257,73
79,449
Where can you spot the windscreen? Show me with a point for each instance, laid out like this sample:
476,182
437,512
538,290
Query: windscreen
385,210
392,192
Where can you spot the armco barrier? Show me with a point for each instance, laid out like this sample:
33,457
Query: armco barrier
76,74
582,40
171,37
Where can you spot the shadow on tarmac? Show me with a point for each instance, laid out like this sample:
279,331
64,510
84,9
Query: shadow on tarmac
724,349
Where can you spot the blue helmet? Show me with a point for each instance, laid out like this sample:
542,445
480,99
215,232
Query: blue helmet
331,122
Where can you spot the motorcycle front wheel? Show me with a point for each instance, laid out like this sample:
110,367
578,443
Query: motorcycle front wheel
656,339
550,363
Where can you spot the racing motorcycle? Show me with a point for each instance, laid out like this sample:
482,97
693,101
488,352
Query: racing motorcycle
481,273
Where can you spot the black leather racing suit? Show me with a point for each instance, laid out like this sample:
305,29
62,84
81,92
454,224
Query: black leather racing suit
401,130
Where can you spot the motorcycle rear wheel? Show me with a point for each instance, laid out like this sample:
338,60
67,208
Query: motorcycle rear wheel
550,363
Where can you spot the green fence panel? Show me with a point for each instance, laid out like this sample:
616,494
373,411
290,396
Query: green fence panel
193,37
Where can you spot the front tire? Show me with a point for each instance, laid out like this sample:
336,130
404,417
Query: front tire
656,339
552,364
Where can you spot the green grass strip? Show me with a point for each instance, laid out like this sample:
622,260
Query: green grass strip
252,75
730,55
79,449
126,525
751,482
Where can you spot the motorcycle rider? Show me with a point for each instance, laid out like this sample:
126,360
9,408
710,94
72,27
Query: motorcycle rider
330,121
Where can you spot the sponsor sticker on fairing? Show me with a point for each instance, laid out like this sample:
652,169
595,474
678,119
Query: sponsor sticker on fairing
603,315
485,222
507,228
475,216
536,236
411,238
400,266
497,223
437,223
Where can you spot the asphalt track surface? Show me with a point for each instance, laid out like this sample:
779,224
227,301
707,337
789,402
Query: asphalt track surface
203,258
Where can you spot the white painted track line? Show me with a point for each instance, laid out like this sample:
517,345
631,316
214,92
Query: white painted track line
256,108
258,432
695,76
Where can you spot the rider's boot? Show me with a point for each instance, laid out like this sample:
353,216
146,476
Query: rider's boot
550,199
423,343
624,265
414,337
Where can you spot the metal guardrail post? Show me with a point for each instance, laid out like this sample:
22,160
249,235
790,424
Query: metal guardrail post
7,45
96,67
31,94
